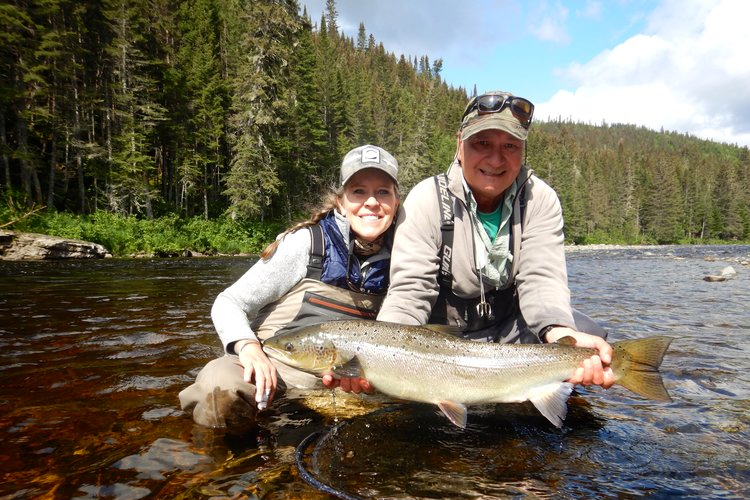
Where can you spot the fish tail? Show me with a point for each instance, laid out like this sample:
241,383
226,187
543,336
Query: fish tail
635,364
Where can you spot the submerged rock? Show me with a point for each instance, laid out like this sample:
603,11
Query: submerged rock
728,272
714,278
32,246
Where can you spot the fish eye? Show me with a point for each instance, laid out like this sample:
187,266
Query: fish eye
289,347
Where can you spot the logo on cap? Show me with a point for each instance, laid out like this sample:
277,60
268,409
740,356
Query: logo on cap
370,155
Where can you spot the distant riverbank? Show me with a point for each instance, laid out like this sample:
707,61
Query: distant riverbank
167,236
174,236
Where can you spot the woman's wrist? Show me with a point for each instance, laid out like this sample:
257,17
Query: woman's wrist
241,344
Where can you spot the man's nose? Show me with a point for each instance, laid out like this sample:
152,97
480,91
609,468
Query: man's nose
497,157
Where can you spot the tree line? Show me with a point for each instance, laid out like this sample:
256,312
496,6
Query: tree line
245,108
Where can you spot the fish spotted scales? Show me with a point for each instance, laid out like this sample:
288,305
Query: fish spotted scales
421,364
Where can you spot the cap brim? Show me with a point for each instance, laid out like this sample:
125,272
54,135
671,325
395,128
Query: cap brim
495,121
387,169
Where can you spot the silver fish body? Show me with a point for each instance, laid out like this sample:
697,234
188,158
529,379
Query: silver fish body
420,364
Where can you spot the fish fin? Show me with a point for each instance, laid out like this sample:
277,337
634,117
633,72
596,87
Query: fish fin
456,412
551,401
635,364
352,368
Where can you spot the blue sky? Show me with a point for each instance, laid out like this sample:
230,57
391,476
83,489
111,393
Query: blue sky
680,65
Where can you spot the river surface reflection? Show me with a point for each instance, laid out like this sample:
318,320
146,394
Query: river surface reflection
93,354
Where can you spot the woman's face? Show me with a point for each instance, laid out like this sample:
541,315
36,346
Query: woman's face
369,202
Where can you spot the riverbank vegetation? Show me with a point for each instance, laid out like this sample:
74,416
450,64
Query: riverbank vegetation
166,236
155,126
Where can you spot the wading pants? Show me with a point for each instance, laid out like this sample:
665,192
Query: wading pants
220,397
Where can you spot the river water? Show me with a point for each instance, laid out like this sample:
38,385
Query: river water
93,354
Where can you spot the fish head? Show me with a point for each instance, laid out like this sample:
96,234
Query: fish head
304,351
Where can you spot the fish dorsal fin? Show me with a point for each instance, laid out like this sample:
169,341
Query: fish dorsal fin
566,340
352,368
551,401
456,412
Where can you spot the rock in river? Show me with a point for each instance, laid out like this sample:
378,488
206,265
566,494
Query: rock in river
32,246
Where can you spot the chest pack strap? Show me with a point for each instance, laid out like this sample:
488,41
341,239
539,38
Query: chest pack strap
317,249
445,201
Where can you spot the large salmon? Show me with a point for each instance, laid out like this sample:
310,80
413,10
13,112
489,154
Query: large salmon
420,364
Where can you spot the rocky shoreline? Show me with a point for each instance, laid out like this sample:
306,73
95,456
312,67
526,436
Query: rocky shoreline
33,246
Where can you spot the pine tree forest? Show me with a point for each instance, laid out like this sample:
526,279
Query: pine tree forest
244,108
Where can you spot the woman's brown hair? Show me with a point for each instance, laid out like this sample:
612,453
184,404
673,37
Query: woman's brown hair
330,202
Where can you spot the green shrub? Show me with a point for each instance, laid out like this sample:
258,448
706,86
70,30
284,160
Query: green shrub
120,235
169,235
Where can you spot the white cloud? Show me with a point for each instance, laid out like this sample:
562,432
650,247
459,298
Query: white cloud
689,72
548,22
464,34
592,10
426,27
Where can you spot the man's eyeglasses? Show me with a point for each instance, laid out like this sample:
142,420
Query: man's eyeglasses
522,109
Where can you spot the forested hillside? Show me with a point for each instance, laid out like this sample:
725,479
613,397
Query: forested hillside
245,107
628,184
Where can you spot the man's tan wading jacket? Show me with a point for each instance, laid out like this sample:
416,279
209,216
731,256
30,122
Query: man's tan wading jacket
538,263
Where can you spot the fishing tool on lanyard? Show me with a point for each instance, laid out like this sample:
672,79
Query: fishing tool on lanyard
484,308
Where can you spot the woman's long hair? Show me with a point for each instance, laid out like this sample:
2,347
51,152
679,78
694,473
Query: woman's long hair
330,202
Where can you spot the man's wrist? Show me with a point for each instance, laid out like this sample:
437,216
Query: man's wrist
544,331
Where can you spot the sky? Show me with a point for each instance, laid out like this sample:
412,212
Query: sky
673,65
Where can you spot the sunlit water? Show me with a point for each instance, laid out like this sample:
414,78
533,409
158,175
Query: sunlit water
94,353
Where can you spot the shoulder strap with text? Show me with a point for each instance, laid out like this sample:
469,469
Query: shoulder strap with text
445,201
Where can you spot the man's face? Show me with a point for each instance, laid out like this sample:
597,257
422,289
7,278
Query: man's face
491,160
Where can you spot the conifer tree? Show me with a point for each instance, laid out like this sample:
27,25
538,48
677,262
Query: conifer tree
204,103
21,91
300,142
232,105
662,205
332,16
261,73
135,109
362,38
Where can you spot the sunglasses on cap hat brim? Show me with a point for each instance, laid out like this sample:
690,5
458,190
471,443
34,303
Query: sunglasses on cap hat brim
521,109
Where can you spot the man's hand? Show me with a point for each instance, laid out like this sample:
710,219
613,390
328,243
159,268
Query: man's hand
354,384
594,370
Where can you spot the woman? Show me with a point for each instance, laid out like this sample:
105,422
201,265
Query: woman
334,265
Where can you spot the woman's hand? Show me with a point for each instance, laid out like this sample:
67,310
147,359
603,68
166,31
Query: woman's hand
353,384
258,369
594,370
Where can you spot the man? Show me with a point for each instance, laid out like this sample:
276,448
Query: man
490,216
